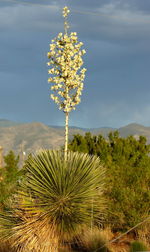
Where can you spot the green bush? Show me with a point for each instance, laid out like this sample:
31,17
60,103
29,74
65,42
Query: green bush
138,246
128,175
10,175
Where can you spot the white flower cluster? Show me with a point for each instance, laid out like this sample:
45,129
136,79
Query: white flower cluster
65,11
65,61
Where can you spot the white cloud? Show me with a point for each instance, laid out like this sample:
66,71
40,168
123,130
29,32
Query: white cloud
115,23
20,17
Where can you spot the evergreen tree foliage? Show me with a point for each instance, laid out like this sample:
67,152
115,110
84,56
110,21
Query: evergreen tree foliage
128,175
9,175
11,167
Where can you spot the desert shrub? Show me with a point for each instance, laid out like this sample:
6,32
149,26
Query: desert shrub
138,246
128,175
57,199
92,240
10,175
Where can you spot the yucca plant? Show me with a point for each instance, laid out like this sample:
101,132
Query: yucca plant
59,199
63,191
69,193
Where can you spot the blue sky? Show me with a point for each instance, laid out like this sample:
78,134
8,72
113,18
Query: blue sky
116,36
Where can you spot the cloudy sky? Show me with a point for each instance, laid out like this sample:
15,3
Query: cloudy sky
116,36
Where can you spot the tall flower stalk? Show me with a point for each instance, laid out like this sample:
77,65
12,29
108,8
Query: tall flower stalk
65,61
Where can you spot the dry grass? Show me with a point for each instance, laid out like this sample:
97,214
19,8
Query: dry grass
100,237
31,233
6,247
35,234
121,245
92,240
144,234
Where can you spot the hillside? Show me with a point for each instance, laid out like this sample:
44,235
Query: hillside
7,123
30,137
135,130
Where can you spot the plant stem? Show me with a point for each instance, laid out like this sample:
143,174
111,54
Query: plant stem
92,217
66,135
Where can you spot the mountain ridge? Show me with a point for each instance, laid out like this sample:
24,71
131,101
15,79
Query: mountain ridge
32,136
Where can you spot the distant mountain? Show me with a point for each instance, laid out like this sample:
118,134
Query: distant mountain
7,123
135,130
95,131
104,131
30,137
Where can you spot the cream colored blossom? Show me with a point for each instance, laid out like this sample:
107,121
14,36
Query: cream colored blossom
65,61
65,11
